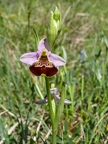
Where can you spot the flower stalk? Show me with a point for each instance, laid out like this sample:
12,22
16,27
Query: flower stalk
60,108
49,100
52,116
45,63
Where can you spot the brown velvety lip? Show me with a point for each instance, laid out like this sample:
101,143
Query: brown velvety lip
48,71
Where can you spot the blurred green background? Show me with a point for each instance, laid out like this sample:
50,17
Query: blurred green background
83,42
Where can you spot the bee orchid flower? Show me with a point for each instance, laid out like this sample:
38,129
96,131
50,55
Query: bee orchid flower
54,95
43,62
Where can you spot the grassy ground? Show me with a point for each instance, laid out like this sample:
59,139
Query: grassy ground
83,42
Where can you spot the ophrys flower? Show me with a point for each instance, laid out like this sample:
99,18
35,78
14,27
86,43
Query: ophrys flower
54,95
43,62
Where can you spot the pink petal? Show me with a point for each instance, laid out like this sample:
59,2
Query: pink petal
43,44
29,58
57,60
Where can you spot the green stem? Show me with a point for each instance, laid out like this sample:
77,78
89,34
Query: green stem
51,111
60,108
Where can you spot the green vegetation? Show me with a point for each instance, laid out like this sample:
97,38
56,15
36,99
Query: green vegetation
83,42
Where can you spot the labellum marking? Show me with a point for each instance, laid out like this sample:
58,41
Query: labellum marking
43,61
43,66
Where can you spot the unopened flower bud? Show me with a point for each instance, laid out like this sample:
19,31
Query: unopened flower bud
56,14
54,27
